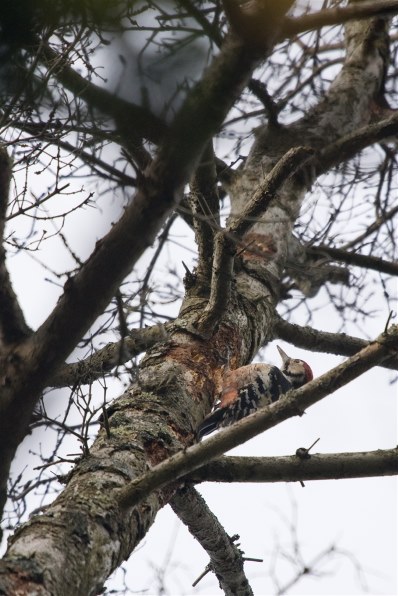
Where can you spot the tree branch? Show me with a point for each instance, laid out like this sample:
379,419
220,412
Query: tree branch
100,166
113,354
349,145
294,403
294,159
314,340
322,466
226,559
352,258
13,327
204,202
254,22
132,120
226,240
372,229
337,16
221,280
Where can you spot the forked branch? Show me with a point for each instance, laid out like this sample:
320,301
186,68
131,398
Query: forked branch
226,241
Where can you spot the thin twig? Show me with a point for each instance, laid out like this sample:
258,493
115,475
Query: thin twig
353,258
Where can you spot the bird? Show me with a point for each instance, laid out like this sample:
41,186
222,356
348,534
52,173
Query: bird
253,386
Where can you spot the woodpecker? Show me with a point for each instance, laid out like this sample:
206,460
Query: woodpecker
250,387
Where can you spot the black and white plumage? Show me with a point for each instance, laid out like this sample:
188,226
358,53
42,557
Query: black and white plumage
254,386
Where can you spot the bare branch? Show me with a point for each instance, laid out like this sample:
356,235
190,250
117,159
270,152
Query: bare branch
253,22
13,327
315,340
221,280
204,202
337,16
352,258
212,32
113,354
350,144
226,244
322,466
283,170
131,119
294,403
100,166
226,559
373,228
5,177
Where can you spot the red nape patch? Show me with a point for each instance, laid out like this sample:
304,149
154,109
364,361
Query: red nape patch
308,372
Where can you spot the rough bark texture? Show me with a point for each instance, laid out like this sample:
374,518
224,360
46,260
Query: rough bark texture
323,466
226,560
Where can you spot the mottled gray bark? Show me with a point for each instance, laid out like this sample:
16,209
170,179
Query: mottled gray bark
321,466
226,559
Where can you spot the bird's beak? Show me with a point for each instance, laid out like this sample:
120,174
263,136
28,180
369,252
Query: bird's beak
283,354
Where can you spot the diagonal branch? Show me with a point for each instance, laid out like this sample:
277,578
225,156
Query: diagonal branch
284,169
294,403
254,22
323,341
353,258
337,16
372,228
105,359
226,559
322,466
350,144
132,120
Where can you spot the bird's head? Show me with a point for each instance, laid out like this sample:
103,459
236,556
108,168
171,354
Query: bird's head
296,371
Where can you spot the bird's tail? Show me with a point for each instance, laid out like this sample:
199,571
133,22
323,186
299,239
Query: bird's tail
210,423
